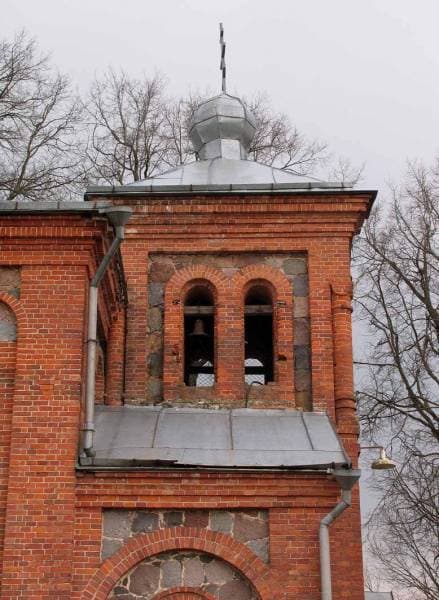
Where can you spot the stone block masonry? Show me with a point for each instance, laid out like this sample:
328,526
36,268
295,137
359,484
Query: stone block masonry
163,267
249,527
183,570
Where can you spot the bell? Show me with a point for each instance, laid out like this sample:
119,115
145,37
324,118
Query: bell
199,328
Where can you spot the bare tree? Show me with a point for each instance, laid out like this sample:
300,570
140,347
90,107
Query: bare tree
39,149
178,114
279,144
398,294
402,532
128,119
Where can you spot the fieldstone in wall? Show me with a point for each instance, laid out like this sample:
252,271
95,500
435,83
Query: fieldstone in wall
155,319
155,364
155,295
300,285
193,575
144,522
10,280
295,265
171,573
222,521
301,309
301,331
161,270
144,579
197,518
155,390
248,527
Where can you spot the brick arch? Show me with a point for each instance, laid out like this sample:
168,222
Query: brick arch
184,593
175,292
274,276
182,277
15,306
220,545
281,290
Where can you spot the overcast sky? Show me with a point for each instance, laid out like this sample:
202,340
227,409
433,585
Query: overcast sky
360,74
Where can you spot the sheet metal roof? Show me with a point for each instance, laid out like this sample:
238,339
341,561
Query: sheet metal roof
225,171
54,207
245,438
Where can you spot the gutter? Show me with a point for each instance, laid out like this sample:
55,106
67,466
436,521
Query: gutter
215,190
123,465
118,217
346,479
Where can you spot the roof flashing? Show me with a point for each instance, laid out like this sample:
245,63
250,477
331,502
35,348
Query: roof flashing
249,439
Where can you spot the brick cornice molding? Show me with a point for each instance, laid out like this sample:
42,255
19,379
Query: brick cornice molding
341,213
142,546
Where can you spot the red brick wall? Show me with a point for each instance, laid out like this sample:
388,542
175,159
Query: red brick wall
296,503
41,397
8,346
53,529
45,424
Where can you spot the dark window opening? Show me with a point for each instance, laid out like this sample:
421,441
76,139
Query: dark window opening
199,338
258,324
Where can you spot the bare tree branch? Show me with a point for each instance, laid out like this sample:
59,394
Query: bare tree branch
40,151
397,293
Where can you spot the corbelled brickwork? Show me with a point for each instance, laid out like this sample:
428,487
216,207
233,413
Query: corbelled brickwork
170,534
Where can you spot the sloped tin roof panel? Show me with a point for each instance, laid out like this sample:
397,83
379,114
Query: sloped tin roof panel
241,173
237,438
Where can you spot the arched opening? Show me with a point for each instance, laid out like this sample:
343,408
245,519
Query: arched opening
199,336
259,334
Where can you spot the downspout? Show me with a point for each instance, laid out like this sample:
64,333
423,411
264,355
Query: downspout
118,217
347,478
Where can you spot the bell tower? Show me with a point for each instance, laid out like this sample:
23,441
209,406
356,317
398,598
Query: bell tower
178,411
238,403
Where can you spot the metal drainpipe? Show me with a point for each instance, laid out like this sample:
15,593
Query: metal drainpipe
118,217
347,478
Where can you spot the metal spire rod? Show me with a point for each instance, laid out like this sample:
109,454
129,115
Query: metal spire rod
223,58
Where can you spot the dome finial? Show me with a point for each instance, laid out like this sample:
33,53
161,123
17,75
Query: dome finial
222,127
223,59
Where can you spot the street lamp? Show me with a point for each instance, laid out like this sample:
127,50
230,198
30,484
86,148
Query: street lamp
383,462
